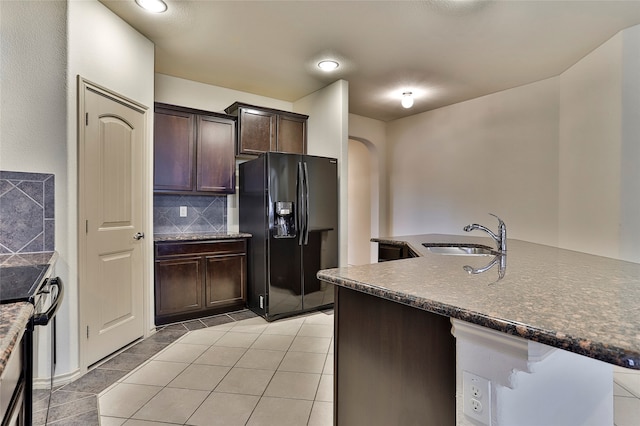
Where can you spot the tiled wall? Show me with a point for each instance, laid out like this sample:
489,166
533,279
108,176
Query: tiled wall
204,214
27,209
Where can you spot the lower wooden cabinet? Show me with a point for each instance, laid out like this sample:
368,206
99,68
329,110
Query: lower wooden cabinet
387,252
199,278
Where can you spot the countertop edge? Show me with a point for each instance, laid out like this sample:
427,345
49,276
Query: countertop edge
608,354
14,318
604,352
163,238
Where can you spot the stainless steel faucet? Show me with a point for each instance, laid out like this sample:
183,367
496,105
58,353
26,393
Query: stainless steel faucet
500,239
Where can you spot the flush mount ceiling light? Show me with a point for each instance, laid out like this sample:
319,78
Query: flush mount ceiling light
407,99
154,6
328,65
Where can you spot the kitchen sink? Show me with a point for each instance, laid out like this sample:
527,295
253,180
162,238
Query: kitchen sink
460,249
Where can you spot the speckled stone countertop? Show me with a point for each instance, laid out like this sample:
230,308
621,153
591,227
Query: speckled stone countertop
198,237
578,302
14,316
13,321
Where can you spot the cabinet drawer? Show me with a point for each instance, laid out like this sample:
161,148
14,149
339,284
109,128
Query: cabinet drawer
200,247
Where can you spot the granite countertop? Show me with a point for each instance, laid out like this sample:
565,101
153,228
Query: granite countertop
199,237
578,302
15,316
13,321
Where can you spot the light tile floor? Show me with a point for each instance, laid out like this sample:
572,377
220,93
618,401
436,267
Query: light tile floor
626,396
241,369
249,372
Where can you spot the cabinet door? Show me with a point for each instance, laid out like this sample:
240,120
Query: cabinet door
173,150
216,163
178,287
225,280
292,134
257,131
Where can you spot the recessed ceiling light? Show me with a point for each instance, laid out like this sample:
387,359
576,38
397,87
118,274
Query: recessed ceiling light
328,65
154,6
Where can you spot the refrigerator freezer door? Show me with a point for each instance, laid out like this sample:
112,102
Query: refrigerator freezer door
321,248
285,282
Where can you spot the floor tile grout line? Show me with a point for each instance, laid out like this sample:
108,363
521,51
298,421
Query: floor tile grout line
153,356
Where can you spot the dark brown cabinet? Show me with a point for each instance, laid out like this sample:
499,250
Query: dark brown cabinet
194,151
199,278
411,351
265,129
387,252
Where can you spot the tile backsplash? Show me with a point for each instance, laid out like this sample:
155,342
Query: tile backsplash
205,214
27,223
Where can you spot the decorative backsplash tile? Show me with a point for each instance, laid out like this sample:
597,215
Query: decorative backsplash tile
27,223
204,214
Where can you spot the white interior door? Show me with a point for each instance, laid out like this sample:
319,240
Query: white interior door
111,196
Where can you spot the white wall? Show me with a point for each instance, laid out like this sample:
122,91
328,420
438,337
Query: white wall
107,51
192,94
558,159
45,44
590,111
33,130
328,134
600,151
495,154
33,126
360,211
371,134
630,147
374,132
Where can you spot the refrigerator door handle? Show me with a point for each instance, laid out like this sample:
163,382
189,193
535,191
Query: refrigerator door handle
306,204
300,202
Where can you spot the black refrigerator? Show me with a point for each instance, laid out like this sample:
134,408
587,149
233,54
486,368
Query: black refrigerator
289,203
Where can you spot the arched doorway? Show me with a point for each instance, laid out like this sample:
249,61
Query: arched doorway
363,188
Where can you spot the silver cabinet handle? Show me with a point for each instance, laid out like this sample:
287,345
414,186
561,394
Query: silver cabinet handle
138,236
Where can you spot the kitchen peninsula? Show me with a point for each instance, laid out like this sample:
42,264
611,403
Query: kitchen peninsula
544,335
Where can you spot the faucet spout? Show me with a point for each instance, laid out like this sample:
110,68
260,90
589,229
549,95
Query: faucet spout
500,238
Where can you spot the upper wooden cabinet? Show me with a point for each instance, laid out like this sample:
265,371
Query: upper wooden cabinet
194,151
265,129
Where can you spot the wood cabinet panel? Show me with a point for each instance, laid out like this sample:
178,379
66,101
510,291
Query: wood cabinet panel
225,282
264,129
178,286
216,170
196,279
194,151
257,131
409,377
388,252
173,150
197,247
292,134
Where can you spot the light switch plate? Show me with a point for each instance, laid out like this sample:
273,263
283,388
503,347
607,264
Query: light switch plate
183,211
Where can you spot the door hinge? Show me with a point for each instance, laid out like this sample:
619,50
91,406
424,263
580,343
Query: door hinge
86,226
87,332
86,118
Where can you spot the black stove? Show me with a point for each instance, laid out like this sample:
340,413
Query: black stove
32,283
21,283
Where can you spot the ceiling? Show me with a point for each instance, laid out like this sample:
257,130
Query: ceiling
444,51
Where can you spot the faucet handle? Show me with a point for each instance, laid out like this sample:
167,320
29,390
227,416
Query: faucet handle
500,221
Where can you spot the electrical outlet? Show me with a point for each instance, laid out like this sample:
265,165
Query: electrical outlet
476,397
183,211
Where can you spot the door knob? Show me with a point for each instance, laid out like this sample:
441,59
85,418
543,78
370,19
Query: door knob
138,236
